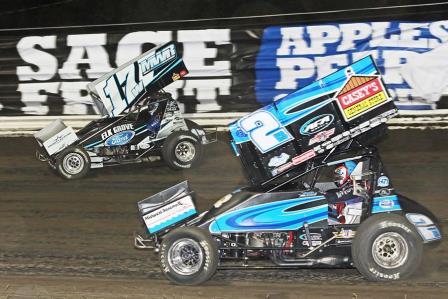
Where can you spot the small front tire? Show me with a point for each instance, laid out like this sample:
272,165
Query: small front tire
188,256
387,247
73,163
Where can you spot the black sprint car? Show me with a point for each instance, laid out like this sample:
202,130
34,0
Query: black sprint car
140,121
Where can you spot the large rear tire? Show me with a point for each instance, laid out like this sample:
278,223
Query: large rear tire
188,256
182,150
73,163
387,247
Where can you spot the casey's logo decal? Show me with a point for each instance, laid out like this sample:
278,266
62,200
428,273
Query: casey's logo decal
361,94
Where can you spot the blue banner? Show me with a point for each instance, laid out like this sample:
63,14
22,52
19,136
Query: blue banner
410,55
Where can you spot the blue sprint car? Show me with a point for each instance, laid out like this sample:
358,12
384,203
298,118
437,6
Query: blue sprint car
318,192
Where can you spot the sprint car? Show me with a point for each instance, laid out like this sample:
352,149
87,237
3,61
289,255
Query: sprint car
140,123
292,214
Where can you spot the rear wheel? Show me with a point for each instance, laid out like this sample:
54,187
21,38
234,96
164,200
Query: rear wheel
188,256
73,163
182,150
386,247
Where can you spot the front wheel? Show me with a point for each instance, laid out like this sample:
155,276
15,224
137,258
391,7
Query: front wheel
386,247
73,163
188,256
182,150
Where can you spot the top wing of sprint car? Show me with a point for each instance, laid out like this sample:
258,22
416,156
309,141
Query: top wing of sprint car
281,137
140,121
120,89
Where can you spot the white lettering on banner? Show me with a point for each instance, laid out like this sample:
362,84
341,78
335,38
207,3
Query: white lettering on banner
439,30
131,45
293,42
196,51
206,91
90,46
292,69
34,97
351,33
309,52
392,61
410,35
329,64
46,63
88,51
321,36
75,101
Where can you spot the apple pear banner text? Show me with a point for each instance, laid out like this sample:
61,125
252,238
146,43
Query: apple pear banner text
46,72
411,56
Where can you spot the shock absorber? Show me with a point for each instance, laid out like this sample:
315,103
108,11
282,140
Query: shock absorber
238,239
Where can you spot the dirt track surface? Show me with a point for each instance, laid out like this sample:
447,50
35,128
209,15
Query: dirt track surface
55,233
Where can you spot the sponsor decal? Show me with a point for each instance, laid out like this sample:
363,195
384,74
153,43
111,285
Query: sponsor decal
386,203
313,243
344,191
62,135
116,129
278,160
222,200
308,193
171,106
345,234
358,94
316,239
175,76
393,276
155,61
361,94
169,214
314,236
322,136
383,181
120,138
303,157
60,141
282,168
419,219
295,161
183,73
316,124
430,233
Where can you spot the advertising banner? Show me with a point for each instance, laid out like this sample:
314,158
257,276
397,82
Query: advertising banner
237,69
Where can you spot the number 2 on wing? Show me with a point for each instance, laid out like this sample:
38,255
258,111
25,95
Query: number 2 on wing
264,130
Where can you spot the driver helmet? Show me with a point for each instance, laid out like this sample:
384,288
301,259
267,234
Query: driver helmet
342,173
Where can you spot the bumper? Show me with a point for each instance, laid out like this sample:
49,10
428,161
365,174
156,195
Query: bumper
142,243
41,157
211,136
